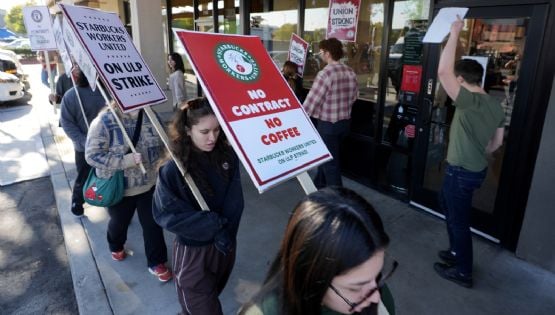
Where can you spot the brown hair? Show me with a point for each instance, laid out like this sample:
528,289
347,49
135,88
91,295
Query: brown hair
183,148
330,232
333,46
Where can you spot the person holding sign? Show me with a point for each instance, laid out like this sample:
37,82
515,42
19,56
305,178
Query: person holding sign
63,84
329,104
106,151
477,129
205,243
331,260
176,81
76,125
289,71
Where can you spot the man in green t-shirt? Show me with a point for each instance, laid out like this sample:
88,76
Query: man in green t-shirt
476,130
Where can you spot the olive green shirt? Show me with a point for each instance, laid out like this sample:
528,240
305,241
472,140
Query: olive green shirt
476,118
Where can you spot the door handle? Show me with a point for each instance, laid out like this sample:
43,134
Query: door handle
427,109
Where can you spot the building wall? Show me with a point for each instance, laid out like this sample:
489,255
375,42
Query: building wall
148,37
537,234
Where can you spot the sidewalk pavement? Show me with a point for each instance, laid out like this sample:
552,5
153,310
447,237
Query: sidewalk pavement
503,283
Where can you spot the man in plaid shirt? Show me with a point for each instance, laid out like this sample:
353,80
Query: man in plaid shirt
329,104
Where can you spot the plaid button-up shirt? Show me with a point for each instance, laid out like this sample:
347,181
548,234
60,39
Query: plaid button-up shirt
332,94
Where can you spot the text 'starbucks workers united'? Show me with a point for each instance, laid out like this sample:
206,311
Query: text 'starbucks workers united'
237,62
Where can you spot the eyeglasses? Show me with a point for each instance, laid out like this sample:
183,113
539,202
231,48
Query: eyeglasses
380,283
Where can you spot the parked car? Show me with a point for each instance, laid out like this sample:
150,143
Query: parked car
11,88
18,43
10,56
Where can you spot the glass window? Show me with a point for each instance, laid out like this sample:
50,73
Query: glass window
205,20
315,24
363,55
228,17
182,14
274,22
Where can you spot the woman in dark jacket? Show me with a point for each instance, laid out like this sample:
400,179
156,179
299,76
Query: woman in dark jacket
204,248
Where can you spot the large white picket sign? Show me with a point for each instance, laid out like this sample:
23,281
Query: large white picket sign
62,50
79,54
39,27
115,57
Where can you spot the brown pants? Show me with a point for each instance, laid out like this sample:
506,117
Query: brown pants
201,274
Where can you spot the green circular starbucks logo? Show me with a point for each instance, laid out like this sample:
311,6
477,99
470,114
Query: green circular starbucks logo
237,62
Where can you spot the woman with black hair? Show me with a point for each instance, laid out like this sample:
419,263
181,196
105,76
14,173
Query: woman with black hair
330,260
176,81
289,72
205,243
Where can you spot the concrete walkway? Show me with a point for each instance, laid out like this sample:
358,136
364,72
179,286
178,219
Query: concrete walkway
503,283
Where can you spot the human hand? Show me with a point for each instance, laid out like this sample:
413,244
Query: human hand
137,157
223,242
131,160
53,98
457,26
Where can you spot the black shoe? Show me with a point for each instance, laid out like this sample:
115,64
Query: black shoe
77,209
448,257
451,273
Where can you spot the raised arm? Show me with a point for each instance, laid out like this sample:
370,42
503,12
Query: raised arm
446,68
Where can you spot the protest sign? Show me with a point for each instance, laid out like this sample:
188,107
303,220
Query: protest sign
79,54
115,57
298,49
343,19
62,50
39,27
441,25
66,59
262,118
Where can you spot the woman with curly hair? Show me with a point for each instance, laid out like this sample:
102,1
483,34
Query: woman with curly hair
205,243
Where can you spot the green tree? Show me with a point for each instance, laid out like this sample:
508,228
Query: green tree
285,31
14,18
184,23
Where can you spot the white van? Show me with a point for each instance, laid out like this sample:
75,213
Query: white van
9,55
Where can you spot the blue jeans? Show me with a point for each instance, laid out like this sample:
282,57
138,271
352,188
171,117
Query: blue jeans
329,173
44,76
456,202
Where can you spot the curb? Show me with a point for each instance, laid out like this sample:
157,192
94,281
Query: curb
89,289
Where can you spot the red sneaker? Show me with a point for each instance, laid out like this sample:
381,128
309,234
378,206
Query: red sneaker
119,256
163,273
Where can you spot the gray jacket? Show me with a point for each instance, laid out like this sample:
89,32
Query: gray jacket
71,117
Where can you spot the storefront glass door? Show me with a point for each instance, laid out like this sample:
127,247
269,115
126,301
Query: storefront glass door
498,39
